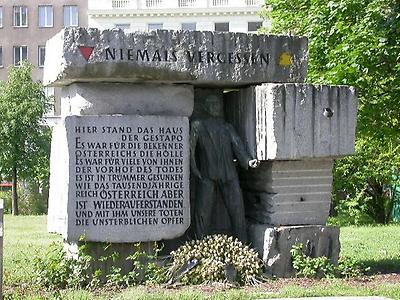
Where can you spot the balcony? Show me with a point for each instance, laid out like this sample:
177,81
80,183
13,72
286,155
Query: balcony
170,4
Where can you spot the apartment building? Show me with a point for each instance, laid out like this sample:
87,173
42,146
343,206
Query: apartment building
26,25
142,15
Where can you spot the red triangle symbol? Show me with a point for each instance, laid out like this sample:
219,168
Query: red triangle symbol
86,51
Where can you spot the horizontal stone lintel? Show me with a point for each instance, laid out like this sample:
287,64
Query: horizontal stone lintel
195,57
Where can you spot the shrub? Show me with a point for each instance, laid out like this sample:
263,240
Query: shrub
361,182
54,270
319,267
211,258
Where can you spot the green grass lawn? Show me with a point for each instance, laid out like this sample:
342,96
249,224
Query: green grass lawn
376,246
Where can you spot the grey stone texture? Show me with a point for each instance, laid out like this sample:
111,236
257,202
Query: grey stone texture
127,99
125,179
105,99
288,192
274,245
201,58
296,121
58,193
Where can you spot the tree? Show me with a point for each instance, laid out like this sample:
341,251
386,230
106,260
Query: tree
24,138
355,42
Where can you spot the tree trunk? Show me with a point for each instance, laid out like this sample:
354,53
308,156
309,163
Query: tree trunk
14,192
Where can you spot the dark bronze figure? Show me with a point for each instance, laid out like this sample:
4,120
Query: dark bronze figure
215,144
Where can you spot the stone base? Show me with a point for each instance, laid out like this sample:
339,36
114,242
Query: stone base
282,193
102,253
274,244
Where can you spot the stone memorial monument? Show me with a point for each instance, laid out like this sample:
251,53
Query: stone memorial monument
122,156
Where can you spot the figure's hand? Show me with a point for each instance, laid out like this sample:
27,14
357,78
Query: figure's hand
254,163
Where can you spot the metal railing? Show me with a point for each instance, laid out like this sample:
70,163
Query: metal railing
172,4
154,3
252,2
220,2
121,3
188,3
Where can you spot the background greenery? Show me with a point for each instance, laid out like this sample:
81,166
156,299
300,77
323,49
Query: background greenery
355,42
376,246
24,137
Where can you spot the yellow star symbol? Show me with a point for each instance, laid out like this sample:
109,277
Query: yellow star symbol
285,59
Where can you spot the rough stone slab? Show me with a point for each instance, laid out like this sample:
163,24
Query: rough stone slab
196,57
288,120
288,192
274,244
127,99
58,192
124,181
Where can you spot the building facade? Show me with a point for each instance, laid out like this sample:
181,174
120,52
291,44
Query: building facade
209,15
26,25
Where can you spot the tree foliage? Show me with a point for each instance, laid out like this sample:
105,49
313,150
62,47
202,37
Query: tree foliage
355,42
24,140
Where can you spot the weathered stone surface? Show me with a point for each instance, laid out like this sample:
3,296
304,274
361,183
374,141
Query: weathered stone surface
58,192
127,99
296,121
288,192
202,58
127,179
274,244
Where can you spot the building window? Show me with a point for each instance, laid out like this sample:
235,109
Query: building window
221,26
20,16
154,26
1,16
41,55
46,16
253,26
123,26
189,26
20,54
71,16
1,57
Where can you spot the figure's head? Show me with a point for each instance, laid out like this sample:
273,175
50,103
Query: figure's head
214,106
